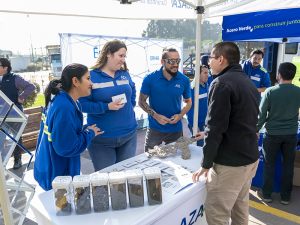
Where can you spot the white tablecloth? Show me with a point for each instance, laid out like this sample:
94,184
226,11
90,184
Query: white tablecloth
182,208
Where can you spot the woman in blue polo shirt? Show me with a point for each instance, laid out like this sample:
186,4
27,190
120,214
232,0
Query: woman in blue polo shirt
110,106
62,137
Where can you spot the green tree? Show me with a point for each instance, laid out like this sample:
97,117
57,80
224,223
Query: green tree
29,101
182,29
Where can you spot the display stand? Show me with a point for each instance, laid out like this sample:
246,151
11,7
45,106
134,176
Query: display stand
12,124
4,200
12,187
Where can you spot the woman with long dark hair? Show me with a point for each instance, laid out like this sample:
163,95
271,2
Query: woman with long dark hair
62,136
110,107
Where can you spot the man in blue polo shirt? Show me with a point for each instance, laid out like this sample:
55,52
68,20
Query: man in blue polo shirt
259,75
165,89
202,98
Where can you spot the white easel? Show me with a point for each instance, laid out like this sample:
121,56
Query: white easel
4,200
9,114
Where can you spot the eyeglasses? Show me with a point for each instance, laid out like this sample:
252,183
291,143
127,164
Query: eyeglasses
172,61
204,66
212,57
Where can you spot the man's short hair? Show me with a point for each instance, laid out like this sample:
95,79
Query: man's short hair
204,60
203,66
166,51
287,70
258,52
229,51
5,63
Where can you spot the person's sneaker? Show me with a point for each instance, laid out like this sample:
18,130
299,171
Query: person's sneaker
17,164
284,202
267,199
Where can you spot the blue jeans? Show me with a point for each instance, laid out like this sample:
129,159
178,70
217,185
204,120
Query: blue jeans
200,128
286,145
105,152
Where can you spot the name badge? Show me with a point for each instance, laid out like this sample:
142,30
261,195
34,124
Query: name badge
121,97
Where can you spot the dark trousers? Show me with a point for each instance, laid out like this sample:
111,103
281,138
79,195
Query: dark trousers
200,128
154,137
286,145
18,151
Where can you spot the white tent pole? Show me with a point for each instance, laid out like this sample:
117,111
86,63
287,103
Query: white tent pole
283,52
200,11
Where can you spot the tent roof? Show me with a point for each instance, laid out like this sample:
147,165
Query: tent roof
159,9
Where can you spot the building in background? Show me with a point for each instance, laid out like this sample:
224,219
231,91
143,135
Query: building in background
54,57
5,53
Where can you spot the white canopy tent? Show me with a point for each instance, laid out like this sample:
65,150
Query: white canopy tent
144,9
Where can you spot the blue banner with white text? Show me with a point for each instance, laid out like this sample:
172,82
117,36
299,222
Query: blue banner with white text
273,25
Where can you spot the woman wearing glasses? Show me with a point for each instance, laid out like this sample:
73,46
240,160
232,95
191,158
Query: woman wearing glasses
110,107
165,89
202,98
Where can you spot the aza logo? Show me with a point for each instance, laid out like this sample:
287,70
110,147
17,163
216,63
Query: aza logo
177,85
179,4
194,215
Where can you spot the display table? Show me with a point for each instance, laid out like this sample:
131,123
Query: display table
182,200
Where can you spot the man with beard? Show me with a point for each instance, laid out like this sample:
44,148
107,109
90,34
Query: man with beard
259,75
165,89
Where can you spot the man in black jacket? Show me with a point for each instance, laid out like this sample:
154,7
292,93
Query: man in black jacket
230,149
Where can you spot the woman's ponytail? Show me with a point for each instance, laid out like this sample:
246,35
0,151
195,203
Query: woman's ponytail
53,88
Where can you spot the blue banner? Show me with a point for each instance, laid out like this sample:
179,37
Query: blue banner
265,25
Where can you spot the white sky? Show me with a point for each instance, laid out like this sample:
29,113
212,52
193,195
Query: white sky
18,31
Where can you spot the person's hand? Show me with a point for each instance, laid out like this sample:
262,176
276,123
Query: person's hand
96,130
20,100
199,136
161,119
116,105
175,118
257,134
199,173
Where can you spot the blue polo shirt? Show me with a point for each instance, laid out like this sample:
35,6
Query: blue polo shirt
165,97
202,107
259,75
114,123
